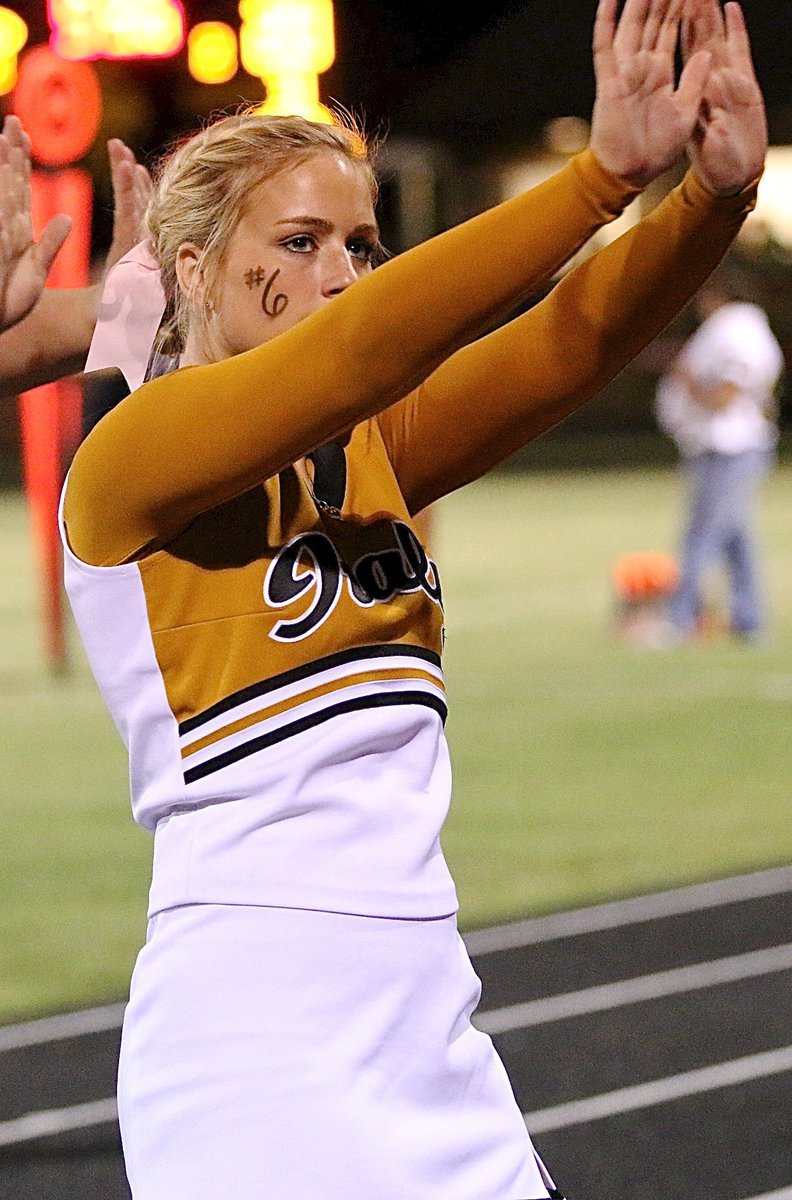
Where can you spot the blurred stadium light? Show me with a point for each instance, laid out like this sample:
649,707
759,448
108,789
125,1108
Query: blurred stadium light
772,216
212,55
13,35
289,44
116,29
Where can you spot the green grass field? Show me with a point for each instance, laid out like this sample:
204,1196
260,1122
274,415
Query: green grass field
585,767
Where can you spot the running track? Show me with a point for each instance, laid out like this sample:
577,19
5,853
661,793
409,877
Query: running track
649,1042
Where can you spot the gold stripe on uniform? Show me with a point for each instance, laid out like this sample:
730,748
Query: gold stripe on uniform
316,693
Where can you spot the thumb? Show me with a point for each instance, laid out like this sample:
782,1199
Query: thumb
52,238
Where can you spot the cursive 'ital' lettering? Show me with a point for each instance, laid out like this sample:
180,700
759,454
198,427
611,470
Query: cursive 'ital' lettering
310,569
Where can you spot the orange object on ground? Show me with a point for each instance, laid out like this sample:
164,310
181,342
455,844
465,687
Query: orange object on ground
645,575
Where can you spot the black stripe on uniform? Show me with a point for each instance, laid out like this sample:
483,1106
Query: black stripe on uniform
253,690
380,700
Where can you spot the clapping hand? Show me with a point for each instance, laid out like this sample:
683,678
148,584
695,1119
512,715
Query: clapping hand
729,141
132,188
24,263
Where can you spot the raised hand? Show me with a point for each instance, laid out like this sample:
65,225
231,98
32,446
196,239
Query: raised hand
729,142
24,263
132,188
642,119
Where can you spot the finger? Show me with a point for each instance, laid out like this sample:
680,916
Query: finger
144,184
16,181
668,36
604,33
689,30
629,32
709,29
690,93
17,138
655,23
118,151
737,39
12,129
8,201
143,188
122,163
52,238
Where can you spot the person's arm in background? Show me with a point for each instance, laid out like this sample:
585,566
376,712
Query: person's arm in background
715,397
45,333
24,263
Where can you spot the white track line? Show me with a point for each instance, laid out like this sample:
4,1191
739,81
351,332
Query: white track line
783,1194
660,1091
612,915
57,1120
636,990
57,1029
560,1116
634,910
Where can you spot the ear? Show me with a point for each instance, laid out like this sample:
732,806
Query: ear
188,270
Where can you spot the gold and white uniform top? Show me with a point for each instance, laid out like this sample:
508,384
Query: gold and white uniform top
259,614
275,673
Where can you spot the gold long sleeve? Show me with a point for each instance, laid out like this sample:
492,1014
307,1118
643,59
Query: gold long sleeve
186,442
501,392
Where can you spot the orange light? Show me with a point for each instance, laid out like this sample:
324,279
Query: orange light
116,28
287,35
13,35
212,52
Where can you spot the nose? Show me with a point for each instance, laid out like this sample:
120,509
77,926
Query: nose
339,272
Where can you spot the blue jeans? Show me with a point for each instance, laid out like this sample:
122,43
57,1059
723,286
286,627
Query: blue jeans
722,489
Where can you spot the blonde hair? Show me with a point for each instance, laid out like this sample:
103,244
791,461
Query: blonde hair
203,185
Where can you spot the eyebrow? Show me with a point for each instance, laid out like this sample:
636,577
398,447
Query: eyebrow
322,226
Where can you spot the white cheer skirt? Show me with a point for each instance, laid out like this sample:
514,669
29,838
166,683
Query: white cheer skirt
281,1054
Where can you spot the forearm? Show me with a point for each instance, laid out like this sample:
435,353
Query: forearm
712,397
204,434
505,390
567,218
52,341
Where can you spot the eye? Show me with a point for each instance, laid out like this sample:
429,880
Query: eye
300,243
363,249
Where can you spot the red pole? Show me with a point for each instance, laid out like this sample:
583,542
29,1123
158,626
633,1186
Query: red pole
51,415
59,105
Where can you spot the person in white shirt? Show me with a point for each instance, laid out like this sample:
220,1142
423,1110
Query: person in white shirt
719,404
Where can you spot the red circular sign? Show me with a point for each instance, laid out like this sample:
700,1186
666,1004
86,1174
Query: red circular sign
60,105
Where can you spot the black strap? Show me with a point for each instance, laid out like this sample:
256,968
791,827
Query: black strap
101,390
330,474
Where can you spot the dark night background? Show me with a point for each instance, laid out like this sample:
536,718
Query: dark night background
473,80
463,72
